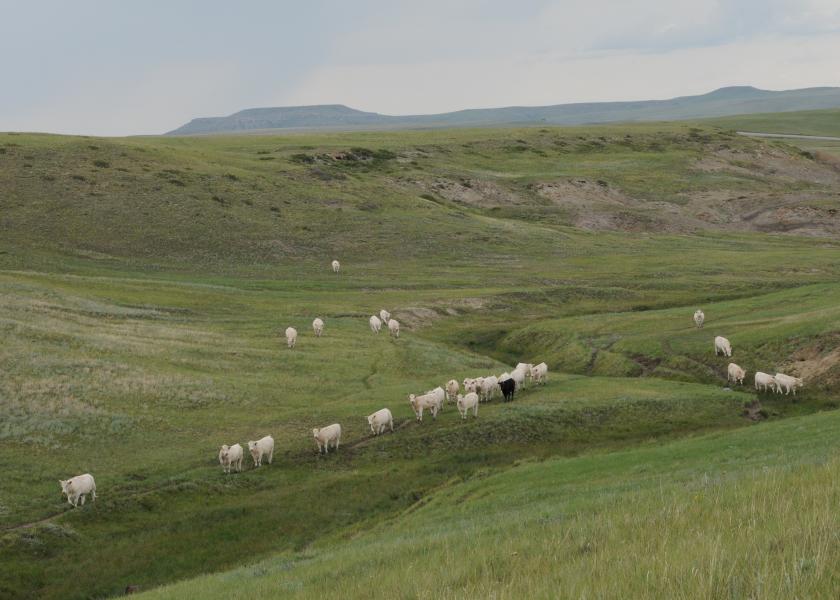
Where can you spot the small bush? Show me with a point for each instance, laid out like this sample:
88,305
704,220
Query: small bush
102,164
231,176
306,159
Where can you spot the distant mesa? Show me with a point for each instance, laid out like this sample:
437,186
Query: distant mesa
735,100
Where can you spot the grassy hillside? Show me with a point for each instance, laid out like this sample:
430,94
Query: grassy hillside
806,122
742,514
246,206
145,284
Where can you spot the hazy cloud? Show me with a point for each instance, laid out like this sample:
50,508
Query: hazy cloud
100,67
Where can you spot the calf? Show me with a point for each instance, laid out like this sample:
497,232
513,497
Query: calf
539,373
789,383
722,346
421,403
260,448
763,381
465,403
326,436
735,374
291,336
452,390
379,420
77,488
230,457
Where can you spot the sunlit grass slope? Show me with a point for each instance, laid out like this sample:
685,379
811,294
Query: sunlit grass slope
745,514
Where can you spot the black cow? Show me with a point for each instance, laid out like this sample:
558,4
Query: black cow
508,387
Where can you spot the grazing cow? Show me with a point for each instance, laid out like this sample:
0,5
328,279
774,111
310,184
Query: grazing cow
394,328
291,336
439,395
788,382
699,317
327,436
230,457
525,368
465,403
260,448
384,315
452,390
539,373
336,266
375,324
318,327
735,374
508,387
78,487
722,346
489,385
763,381
379,420
421,403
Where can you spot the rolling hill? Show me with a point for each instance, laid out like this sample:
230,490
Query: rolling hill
145,284
725,101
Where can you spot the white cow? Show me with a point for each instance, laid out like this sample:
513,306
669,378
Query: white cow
452,390
394,328
525,368
788,382
379,420
518,377
439,395
260,448
735,374
327,436
230,457
291,336
699,317
722,346
318,327
375,324
421,403
384,315
336,266
489,385
465,403
504,376
78,487
539,373
763,381
470,384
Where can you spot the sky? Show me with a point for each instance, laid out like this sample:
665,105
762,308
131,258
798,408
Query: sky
102,67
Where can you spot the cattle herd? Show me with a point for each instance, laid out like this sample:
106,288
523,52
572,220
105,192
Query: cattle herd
476,390
734,373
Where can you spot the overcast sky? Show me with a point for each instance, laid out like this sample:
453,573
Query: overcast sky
117,68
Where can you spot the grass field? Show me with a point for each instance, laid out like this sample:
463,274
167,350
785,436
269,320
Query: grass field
807,122
145,284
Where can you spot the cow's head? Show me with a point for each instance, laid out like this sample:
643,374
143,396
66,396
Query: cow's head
315,431
65,485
